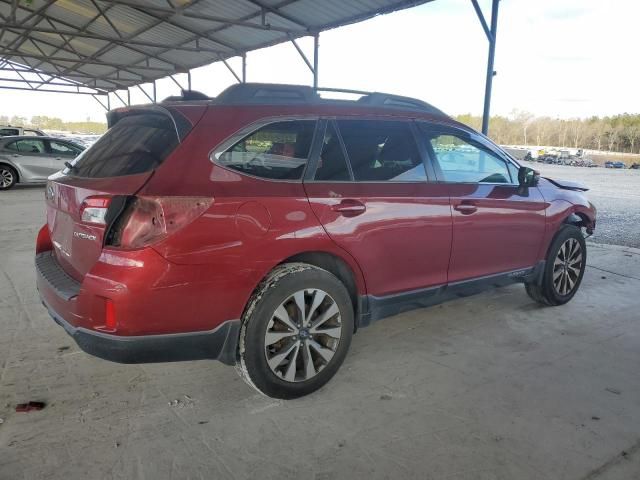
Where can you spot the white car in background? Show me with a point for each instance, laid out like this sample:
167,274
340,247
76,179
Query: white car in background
30,159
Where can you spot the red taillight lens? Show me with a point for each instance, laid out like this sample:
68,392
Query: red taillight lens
43,242
94,209
148,220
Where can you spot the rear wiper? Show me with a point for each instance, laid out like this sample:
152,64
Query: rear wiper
70,167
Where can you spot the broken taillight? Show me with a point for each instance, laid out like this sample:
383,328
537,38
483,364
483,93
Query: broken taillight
94,209
148,220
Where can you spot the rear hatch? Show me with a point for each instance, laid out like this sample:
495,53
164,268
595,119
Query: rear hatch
101,179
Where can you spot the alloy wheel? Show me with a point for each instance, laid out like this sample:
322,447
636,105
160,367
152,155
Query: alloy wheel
303,335
6,178
567,266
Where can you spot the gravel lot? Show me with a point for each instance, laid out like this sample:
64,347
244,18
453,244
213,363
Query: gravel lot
616,195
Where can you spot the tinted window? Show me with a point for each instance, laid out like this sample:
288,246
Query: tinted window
5,132
135,144
382,151
12,146
277,151
461,161
60,148
332,164
30,146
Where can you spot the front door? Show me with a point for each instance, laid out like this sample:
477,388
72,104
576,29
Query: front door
497,226
32,158
370,191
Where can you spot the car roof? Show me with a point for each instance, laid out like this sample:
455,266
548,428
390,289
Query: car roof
12,138
271,94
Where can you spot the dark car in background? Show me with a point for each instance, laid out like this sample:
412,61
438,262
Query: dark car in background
614,165
31,159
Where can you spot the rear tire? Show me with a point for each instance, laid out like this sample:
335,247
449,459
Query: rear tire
8,177
564,268
296,331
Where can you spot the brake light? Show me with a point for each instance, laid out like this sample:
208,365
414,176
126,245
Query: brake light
148,220
43,241
94,209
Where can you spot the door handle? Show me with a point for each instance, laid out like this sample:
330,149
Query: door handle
466,208
349,208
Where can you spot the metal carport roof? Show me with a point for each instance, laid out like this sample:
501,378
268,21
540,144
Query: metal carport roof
111,45
95,47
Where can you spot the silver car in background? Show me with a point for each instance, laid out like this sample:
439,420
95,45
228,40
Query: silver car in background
29,159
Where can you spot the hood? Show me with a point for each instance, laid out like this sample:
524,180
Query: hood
567,185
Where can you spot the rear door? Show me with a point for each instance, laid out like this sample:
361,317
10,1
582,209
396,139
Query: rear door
370,191
32,158
60,152
497,226
119,163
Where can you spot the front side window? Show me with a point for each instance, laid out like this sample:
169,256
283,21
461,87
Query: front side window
278,151
59,148
382,151
30,146
461,161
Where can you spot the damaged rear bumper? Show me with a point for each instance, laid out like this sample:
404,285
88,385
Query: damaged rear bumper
218,344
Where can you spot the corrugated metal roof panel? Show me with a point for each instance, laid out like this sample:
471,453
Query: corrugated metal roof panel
114,45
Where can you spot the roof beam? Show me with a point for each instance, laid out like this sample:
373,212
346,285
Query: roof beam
95,36
50,59
275,10
51,90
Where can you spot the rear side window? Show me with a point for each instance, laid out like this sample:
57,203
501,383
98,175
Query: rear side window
332,164
28,146
382,151
5,132
278,151
135,144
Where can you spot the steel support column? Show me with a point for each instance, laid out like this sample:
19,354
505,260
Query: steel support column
316,46
491,33
244,68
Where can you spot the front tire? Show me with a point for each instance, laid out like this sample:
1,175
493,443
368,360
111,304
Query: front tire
8,177
564,268
296,331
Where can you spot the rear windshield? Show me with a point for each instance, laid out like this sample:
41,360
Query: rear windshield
136,144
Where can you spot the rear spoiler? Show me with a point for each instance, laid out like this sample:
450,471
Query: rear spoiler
181,123
567,185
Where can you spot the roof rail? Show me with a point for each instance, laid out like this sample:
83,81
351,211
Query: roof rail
267,92
186,95
261,93
387,100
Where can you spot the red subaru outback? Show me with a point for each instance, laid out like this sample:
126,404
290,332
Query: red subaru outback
262,228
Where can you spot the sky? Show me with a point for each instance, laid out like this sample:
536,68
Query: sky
558,58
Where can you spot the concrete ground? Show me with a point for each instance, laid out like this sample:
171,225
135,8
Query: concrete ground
488,387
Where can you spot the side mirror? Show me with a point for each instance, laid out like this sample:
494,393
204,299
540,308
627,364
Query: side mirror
528,177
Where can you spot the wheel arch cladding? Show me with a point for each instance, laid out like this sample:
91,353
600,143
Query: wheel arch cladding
333,264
